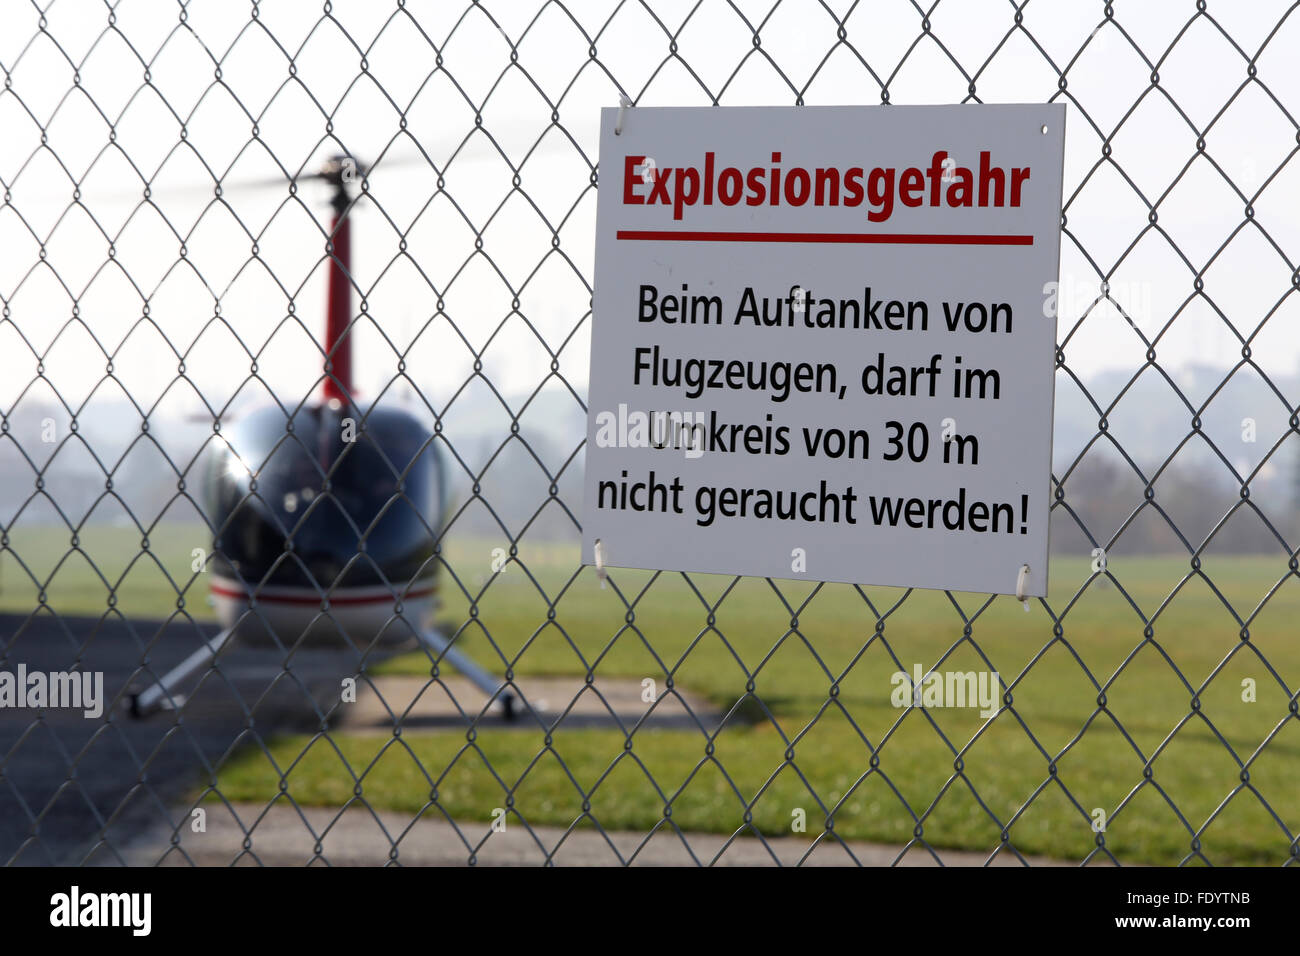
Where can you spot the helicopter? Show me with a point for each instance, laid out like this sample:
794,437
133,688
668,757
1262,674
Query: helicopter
326,519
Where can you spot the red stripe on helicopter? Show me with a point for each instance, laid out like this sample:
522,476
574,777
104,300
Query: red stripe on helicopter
312,598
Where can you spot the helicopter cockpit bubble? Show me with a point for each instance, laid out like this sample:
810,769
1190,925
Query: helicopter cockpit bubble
333,504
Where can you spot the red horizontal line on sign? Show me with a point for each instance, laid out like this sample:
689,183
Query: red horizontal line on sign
901,238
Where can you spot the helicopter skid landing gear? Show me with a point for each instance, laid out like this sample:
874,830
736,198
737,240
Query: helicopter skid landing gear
480,678
160,696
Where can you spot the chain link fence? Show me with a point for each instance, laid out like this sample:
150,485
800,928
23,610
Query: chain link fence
168,244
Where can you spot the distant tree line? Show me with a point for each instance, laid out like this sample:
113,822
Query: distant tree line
1193,498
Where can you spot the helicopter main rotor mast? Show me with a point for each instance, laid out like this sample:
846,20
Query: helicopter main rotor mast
337,386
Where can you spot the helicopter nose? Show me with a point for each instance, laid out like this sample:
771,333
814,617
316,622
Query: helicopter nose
324,568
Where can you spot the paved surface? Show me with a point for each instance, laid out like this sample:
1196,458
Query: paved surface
421,705
51,814
287,836
100,811
284,835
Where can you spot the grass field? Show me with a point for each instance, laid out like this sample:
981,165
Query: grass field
145,577
1040,767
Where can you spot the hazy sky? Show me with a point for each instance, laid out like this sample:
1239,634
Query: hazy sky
77,76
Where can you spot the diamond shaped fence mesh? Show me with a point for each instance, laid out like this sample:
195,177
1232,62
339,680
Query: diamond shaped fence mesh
346,538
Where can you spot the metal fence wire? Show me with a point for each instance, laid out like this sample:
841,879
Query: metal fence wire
168,239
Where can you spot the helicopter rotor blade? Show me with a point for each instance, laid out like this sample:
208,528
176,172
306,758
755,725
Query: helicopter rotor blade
383,163
401,161
207,191
179,191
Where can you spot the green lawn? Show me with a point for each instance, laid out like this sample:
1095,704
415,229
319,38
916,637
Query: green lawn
796,640
801,747
140,576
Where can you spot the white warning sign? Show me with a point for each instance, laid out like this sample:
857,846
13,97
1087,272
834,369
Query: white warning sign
823,343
